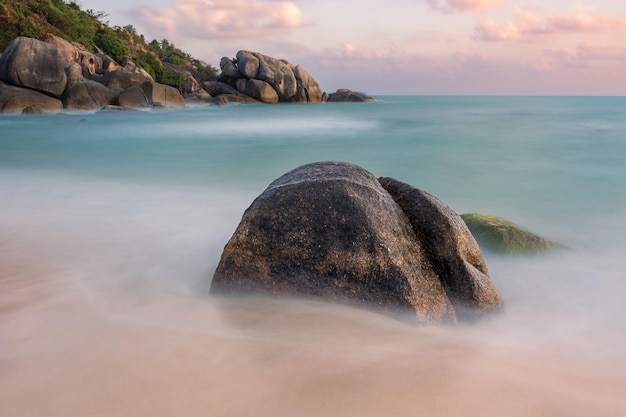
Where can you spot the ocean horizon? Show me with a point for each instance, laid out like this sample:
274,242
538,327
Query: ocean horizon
112,223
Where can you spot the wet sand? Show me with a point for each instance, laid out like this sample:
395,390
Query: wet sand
104,311
64,352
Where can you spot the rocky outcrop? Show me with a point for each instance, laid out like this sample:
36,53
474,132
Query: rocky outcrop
332,230
68,71
500,235
269,80
344,95
35,73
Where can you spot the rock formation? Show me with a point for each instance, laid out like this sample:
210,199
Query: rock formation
268,80
343,95
332,230
37,76
84,80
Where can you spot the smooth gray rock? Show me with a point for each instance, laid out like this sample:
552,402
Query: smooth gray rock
163,95
278,74
248,64
88,95
134,97
34,64
261,91
308,85
228,68
18,100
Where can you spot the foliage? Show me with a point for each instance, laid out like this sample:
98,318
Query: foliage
41,18
110,44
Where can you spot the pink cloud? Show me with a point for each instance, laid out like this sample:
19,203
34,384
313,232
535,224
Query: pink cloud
450,6
221,19
589,57
530,27
586,69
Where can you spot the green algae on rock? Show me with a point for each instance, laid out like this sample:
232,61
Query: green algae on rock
500,235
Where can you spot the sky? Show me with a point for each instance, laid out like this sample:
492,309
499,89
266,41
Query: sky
424,47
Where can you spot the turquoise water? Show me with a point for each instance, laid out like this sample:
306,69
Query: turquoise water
133,209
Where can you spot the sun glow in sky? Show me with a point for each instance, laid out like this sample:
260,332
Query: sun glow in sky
405,46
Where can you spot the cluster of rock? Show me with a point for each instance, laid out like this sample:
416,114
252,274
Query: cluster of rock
54,75
253,77
38,76
269,80
333,230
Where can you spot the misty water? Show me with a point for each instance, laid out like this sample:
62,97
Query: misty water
112,223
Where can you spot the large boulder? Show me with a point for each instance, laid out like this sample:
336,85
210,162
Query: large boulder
248,64
198,97
20,100
88,95
332,230
223,93
308,89
228,68
120,79
279,74
34,64
162,95
134,97
261,91
75,52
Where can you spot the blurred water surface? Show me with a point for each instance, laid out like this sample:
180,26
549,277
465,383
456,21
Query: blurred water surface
111,225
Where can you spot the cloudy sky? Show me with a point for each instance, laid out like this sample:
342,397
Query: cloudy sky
405,46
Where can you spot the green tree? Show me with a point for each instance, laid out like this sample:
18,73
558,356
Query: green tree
106,39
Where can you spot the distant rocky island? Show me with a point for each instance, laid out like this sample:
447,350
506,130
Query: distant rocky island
55,75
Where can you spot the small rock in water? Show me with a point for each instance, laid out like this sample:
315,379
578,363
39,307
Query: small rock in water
500,235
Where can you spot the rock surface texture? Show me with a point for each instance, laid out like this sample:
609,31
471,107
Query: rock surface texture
332,230
51,76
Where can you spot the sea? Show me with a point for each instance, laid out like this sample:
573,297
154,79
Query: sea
113,222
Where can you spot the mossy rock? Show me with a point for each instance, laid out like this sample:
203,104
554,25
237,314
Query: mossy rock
500,235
